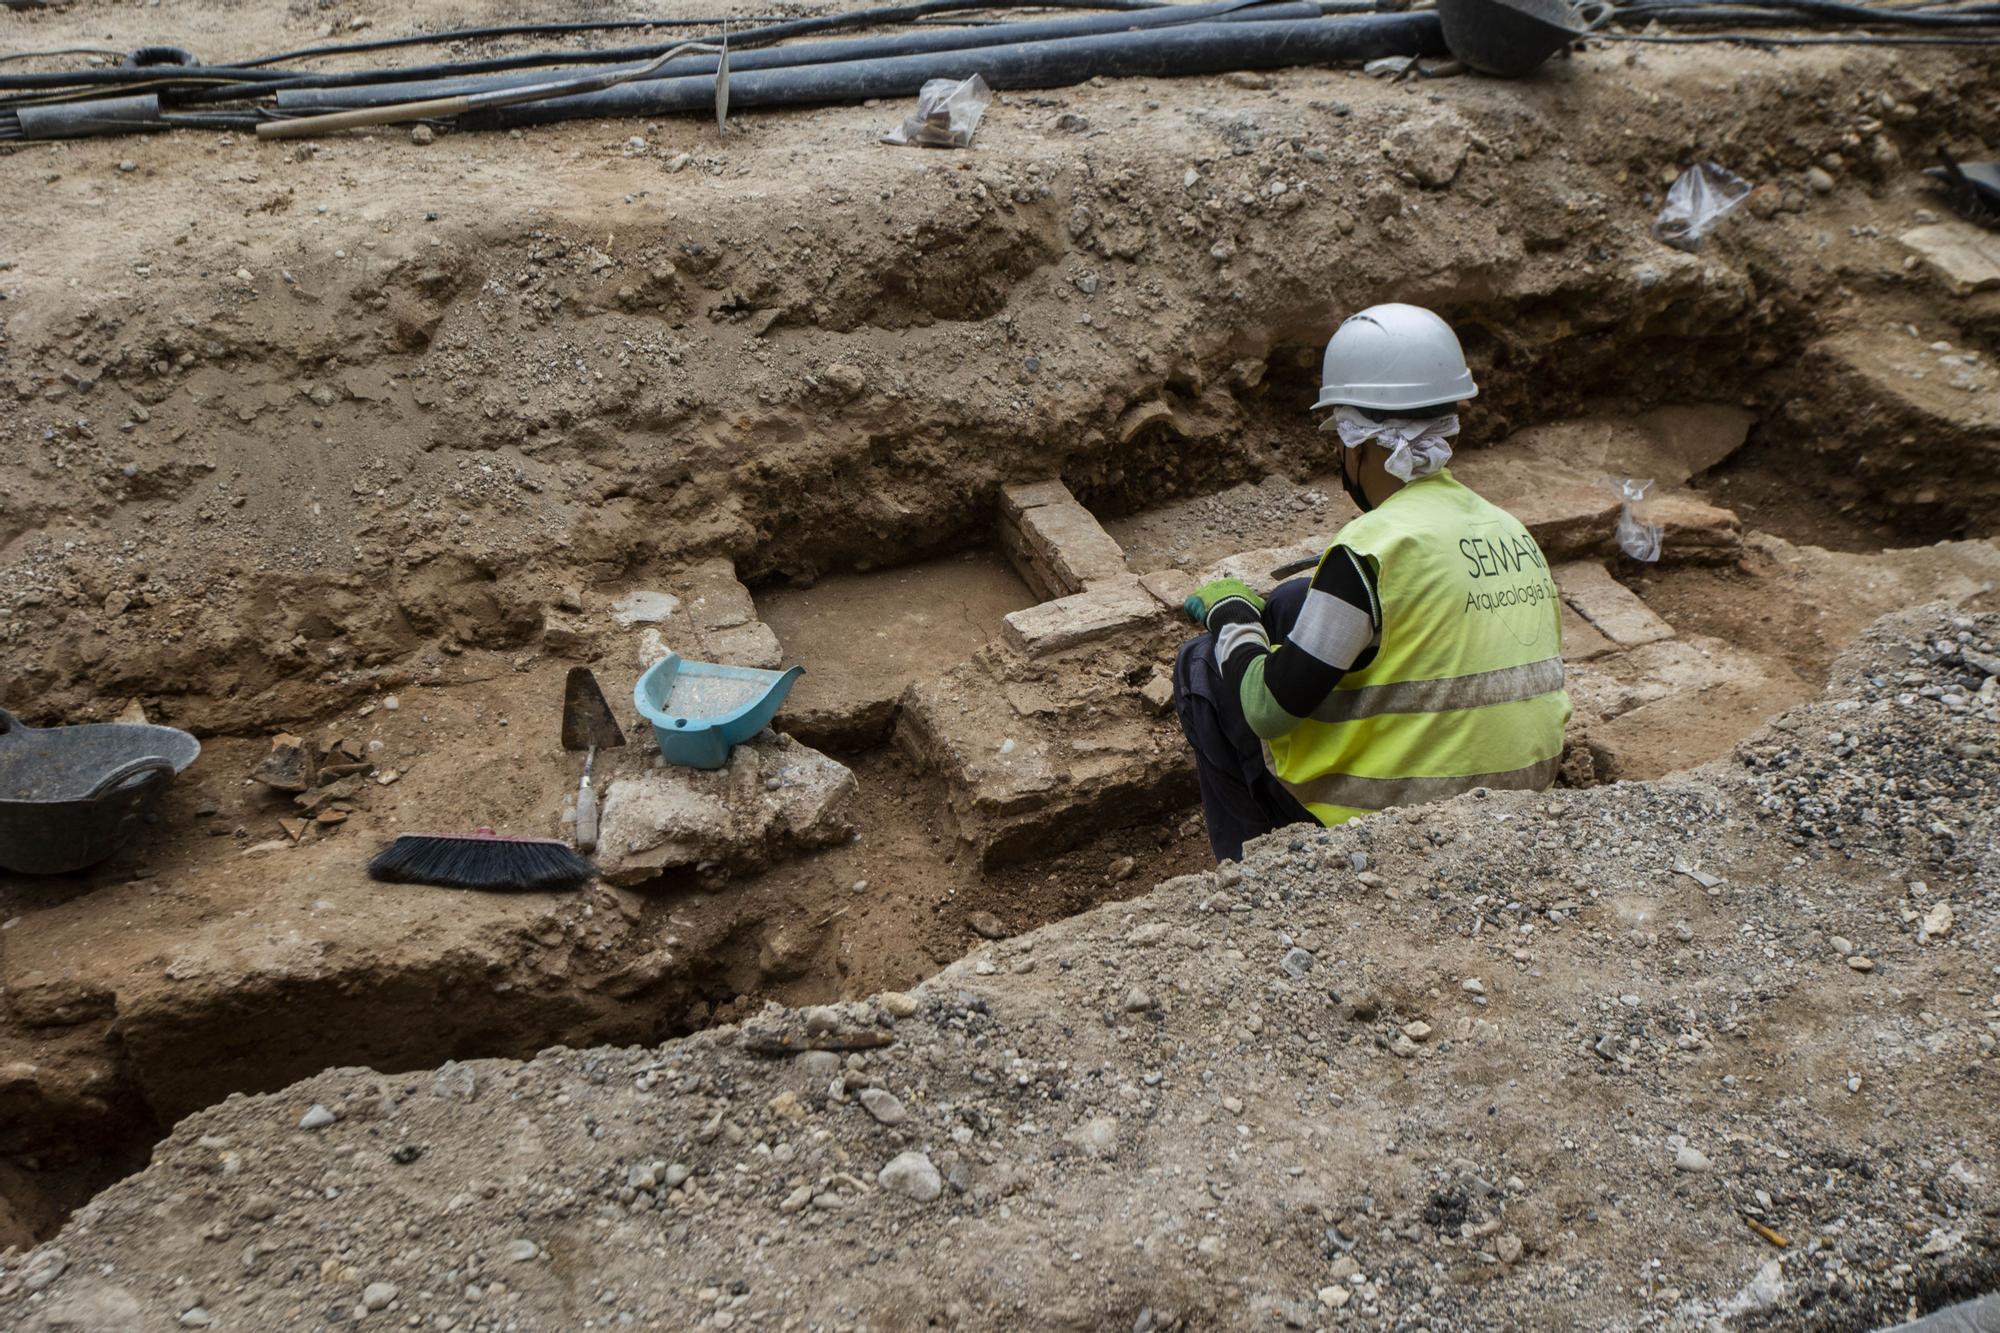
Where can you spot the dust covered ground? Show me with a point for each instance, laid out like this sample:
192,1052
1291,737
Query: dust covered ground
365,439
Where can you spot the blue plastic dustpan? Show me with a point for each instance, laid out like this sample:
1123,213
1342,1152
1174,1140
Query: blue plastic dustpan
700,711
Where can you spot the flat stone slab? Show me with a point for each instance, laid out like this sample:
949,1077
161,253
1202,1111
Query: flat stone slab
1614,610
1966,258
1056,544
1096,613
774,799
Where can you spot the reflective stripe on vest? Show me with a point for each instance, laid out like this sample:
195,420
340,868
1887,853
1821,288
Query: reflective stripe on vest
1466,688
1499,686
1344,789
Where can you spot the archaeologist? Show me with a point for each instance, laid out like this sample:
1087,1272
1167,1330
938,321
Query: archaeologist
1422,659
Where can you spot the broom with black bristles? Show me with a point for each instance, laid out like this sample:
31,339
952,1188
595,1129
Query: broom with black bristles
482,860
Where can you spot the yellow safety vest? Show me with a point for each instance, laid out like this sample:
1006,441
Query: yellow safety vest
1466,689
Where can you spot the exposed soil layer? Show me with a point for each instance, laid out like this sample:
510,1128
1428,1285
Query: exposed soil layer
365,440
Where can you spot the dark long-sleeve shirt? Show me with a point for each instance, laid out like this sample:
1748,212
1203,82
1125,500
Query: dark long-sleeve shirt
1282,665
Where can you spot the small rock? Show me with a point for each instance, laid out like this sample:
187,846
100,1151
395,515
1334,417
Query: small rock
1296,963
986,924
1122,868
44,1267
520,1251
196,1317
1939,920
1507,1247
898,1003
912,1174
1819,180
423,134
377,1295
1100,1136
1842,945
1137,1001
1690,1159
1473,985
676,1176
128,165
1861,962
1417,1031
317,1117
884,1106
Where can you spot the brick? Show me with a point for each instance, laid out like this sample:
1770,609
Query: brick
1056,545
1610,607
1020,497
1170,586
1082,617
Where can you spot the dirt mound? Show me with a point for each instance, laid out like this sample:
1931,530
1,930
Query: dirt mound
1709,1049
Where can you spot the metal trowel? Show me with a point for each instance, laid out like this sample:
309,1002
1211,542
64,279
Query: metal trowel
588,726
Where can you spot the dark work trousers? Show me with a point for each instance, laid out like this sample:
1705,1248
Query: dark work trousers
1240,797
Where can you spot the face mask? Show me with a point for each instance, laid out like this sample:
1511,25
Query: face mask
1418,446
1352,484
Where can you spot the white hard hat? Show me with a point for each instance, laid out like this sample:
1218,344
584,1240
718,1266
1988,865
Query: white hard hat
1391,357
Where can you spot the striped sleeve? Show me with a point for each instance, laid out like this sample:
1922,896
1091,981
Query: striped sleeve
1337,625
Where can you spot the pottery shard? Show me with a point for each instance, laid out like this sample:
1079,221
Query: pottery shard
289,766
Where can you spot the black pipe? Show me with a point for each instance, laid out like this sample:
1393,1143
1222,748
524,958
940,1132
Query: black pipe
765,36
102,115
1201,48
505,30
828,52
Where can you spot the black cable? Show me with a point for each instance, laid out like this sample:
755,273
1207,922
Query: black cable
508,30
611,55
120,75
1853,15
1838,39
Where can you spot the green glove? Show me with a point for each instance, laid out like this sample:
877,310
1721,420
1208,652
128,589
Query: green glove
1201,603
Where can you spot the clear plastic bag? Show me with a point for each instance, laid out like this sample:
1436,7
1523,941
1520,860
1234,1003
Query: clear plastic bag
1703,195
1636,538
948,112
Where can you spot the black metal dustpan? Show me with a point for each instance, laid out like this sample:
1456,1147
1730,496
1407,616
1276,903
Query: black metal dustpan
1509,38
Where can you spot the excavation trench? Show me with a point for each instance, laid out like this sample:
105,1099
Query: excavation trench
754,432
238,960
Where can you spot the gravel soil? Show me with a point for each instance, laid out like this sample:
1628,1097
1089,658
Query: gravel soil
1711,1051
